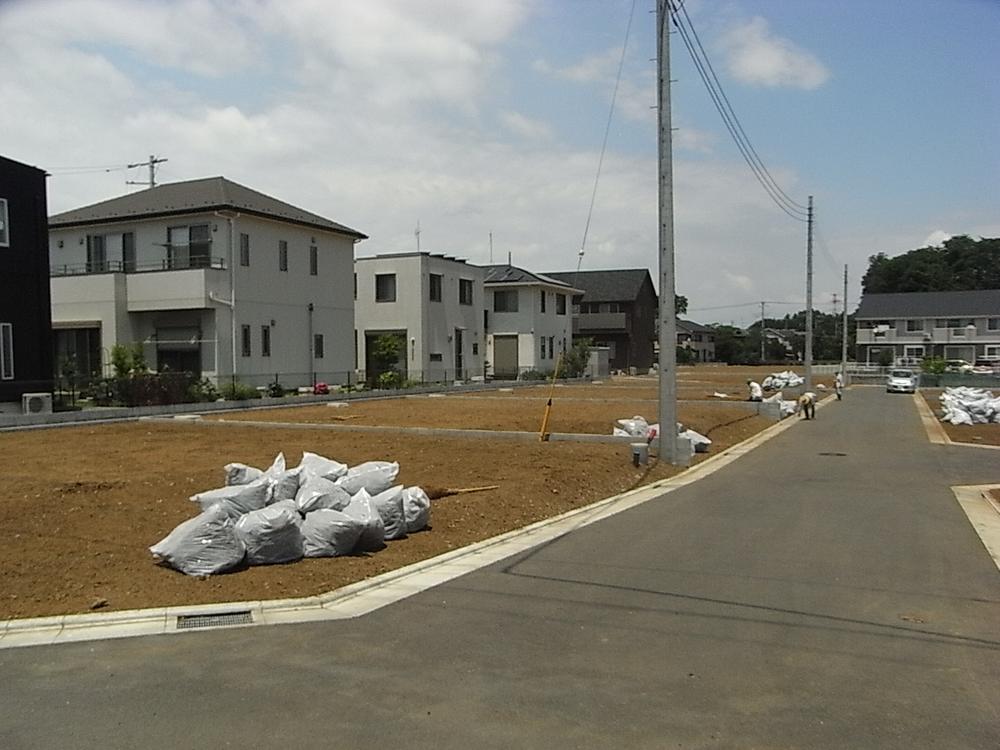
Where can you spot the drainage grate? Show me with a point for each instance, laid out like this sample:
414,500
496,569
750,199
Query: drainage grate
832,453
186,622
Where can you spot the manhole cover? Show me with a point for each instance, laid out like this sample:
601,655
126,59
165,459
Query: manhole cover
832,453
223,619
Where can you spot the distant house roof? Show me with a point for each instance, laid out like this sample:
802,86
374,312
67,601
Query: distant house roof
692,327
413,254
507,274
208,194
929,304
617,285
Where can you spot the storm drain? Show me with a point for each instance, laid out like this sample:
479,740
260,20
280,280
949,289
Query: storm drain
221,620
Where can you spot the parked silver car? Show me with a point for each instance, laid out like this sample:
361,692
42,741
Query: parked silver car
901,381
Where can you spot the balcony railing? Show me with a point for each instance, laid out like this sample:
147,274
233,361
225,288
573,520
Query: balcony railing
121,266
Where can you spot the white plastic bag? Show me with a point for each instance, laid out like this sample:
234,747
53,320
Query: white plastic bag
203,545
241,474
330,533
317,492
315,465
389,505
372,476
235,500
416,509
362,510
635,427
272,534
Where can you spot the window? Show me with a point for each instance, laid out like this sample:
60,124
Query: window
542,355
436,357
552,346
6,351
318,345
245,340
505,300
265,341
993,324
313,260
282,255
244,249
4,224
465,291
385,287
914,326
189,247
97,259
541,297
128,252
435,287
475,349
355,286
560,304
991,352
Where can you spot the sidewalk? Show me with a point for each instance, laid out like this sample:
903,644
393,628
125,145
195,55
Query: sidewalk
825,590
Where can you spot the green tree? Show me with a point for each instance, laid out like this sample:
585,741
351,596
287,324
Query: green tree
960,263
680,304
384,352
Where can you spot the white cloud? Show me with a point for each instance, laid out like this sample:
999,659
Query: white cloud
598,68
526,127
935,238
757,56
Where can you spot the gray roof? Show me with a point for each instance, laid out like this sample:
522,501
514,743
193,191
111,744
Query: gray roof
506,274
617,285
930,304
692,327
208,194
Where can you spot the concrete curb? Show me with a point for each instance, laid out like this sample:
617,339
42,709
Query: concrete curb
365,596
935,430
983,514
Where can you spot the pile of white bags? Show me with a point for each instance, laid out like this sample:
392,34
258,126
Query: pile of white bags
320,508
778,380
963,405
638,427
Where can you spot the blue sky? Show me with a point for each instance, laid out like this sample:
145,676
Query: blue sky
485,117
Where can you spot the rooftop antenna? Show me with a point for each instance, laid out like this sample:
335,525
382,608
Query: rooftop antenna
151,182
491,248
416,233
509,263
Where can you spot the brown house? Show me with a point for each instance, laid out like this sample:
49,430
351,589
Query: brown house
618,309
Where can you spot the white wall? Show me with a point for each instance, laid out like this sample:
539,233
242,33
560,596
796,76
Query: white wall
531,324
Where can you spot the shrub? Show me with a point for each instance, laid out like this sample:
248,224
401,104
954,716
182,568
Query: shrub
933,365
237,391
533,375
203,390
575,361
391,379
275,389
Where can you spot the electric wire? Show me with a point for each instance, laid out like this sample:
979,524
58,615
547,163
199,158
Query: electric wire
731,123
607,131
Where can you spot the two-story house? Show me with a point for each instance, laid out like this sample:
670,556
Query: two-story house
25,324
528,320
911,326
210,277
698,339
618,309
432,304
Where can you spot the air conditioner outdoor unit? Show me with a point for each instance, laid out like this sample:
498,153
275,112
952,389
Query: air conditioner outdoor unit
36,403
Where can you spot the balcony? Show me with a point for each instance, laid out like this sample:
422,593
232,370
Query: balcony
600,322
119,266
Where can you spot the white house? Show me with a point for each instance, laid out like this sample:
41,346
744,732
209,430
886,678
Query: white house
432,303
528,320
212,278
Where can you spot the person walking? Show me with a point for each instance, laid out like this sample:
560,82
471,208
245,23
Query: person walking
838,385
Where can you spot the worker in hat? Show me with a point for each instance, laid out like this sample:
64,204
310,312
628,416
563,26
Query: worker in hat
807,405
756,392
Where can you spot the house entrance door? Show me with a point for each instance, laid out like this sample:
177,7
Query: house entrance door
505,357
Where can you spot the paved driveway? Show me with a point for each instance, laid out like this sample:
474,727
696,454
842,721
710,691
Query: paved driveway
825,591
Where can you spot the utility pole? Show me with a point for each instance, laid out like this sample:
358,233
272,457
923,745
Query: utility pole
668,316
809,298
843,339
762,332
151,182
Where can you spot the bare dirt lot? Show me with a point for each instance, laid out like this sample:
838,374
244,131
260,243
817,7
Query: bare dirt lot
979,434
80,505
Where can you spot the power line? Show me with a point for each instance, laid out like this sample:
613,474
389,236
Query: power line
729,118
743,304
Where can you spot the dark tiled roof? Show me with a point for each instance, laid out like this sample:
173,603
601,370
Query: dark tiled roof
505,274
208,194
618,285
930,304
693,327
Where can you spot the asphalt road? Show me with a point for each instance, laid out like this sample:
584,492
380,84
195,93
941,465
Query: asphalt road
795,599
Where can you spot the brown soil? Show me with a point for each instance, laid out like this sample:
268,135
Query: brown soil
979,434
80,505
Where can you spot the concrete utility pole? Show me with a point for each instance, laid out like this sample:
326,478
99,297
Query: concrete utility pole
668,316
151,182
843,335
762,333
809,298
